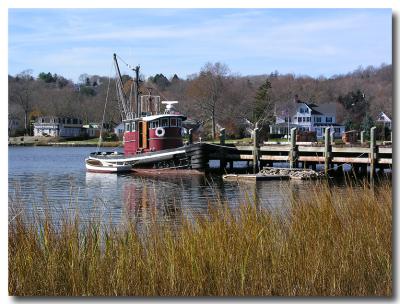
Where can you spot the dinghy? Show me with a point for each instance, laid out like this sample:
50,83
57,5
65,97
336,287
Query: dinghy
95,165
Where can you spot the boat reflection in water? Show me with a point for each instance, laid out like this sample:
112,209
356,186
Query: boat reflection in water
170,197
163,198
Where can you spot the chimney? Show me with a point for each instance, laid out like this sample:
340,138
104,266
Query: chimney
296,99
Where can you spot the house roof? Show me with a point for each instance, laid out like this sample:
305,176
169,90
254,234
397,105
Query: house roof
322,109
383,117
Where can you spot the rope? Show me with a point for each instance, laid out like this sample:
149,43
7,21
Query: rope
104,112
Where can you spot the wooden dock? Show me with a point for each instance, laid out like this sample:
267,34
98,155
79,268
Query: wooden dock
296,154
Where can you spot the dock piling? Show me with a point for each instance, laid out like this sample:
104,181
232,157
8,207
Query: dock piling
362,137
255,151
327,150
190,136
222,163
293,148
372,154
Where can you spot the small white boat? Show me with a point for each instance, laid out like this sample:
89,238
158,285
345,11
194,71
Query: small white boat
95,165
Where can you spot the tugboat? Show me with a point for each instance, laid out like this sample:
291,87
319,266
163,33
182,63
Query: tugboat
153,139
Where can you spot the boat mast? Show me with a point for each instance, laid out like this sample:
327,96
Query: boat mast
127,107
120,90
137,92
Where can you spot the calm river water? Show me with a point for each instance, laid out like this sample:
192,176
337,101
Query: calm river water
54,179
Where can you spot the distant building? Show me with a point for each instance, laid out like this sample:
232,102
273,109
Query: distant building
385,120
92,129
309,117
66,127
119,130
14,126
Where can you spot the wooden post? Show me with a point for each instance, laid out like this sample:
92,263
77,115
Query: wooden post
222,136
362,137
292,153
190,136
372,155
255,151
391,135
327,149
332,136
222,162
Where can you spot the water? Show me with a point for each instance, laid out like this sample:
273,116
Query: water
55,179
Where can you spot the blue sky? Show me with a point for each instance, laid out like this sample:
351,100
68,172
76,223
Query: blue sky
311,42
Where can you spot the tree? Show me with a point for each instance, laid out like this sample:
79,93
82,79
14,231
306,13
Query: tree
263,108
161,81
356,106
21,93
47,77
207,88
367,124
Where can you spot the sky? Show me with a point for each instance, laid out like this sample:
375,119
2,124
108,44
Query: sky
314,42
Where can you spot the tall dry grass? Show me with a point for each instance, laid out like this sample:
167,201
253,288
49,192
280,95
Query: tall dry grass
333,242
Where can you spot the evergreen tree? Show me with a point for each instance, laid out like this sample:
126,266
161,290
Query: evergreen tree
263,106
161,81
367,124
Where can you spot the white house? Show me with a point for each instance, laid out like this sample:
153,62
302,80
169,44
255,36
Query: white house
92,129
309,117
385,120
119,130
57,126
13,126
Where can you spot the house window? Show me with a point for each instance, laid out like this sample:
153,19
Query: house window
308,119
328,119
128,127
179,122
337,130
164,122
173,122
133,126
318,119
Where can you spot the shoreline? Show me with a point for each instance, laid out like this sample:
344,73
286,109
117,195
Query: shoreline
29,141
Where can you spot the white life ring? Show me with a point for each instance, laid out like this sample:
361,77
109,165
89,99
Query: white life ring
160,132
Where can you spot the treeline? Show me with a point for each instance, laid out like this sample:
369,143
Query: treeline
214,96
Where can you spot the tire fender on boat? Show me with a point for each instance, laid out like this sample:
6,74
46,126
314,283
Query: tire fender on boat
160,132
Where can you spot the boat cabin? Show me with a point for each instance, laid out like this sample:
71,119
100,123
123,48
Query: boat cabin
152,130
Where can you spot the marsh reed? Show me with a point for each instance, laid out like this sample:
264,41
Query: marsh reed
328,243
